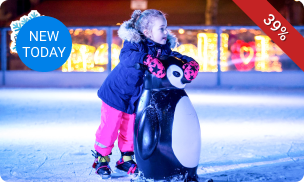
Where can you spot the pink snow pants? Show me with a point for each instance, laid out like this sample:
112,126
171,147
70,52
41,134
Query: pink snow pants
112,121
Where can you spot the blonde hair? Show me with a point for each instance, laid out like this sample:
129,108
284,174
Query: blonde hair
132,29
144,20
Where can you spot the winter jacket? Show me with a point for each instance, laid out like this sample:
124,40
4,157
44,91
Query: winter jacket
123,86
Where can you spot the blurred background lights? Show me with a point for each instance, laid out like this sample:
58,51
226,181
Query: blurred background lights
181,31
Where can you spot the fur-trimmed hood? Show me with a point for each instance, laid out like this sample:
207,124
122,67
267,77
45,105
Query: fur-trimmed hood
126,32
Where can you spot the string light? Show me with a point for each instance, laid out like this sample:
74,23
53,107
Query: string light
181,31
81,59
266,57
101,56
207,51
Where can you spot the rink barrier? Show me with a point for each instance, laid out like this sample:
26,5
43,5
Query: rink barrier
16,78
58,79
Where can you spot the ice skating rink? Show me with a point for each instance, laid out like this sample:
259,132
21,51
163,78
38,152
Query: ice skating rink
247,134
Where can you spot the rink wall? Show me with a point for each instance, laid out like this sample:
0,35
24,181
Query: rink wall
263,79
204,79
53,79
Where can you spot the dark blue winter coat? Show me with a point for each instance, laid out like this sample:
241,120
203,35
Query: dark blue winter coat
123,86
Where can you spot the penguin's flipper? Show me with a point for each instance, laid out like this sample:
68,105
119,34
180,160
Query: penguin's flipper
148,133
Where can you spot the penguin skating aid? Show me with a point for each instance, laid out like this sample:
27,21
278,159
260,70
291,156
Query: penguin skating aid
167,138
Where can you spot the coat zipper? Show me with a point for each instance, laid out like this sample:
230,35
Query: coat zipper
158,53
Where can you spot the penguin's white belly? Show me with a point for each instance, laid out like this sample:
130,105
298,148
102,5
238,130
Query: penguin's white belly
186,134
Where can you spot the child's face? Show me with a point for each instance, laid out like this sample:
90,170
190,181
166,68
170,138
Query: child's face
159,30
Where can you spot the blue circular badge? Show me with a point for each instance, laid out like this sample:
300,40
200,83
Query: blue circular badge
44,44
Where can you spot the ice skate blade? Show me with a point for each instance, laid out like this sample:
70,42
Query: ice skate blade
209,180
124,173
105,176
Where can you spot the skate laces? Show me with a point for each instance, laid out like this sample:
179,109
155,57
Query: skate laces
124,159
132,169
120,161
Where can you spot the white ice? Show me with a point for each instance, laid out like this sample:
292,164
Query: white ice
247,134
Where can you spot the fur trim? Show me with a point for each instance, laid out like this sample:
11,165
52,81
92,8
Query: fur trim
127,32
172,39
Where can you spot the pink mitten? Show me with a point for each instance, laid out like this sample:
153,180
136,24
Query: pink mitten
190,70
155,66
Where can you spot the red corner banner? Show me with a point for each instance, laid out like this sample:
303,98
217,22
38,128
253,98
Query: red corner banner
276,27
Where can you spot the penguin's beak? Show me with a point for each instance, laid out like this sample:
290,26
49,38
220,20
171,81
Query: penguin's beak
184,80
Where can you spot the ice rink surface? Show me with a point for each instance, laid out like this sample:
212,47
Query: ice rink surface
247,134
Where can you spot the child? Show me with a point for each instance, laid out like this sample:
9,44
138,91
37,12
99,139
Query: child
145,38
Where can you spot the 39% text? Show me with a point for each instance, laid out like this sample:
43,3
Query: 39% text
275,26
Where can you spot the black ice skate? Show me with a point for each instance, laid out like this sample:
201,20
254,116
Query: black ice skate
195,179
191,178
101,164
126,163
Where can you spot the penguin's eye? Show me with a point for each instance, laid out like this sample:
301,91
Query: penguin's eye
176,73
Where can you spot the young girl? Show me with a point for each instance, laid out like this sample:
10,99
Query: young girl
145,38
